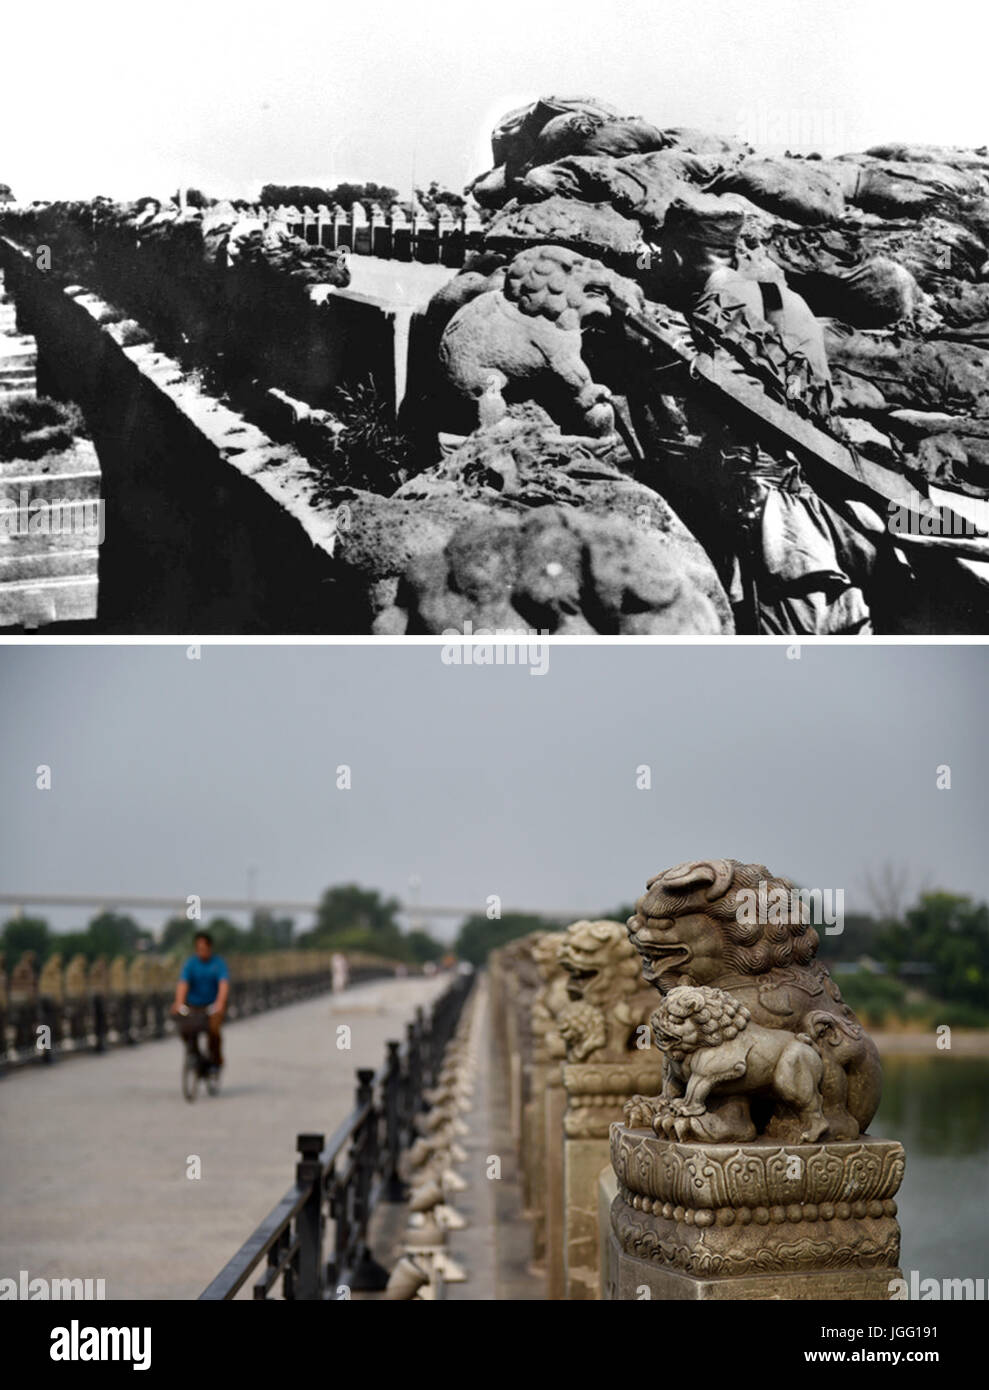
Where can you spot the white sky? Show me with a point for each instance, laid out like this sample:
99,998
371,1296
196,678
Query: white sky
127,99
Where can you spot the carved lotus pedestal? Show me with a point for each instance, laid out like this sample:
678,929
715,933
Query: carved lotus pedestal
596,1093
754,1220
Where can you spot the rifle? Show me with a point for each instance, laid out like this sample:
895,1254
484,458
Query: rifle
831,463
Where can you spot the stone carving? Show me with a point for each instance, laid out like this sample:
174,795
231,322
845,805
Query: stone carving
712,1050
730,1209
695,926
607,1004
749,1175
530,330
604,1025
550,1000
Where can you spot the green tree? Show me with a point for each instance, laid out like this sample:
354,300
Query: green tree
345,195
177,934
479,936
22,934
949,932
268,932
227,936
113,934
422,947
74,943
296,195
348,905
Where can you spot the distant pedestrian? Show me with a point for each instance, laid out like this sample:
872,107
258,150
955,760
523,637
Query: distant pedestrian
341,972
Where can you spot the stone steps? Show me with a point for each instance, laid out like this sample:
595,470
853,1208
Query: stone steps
79,460
36,603
44,578
43,565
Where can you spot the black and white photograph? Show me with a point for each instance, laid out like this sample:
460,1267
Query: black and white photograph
652,318
494,605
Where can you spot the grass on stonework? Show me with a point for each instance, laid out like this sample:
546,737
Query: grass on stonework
33,427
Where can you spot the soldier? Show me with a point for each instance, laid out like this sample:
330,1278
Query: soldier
790,562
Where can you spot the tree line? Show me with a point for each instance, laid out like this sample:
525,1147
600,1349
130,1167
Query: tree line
939,947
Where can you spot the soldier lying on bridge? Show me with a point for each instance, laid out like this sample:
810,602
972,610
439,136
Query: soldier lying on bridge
790,561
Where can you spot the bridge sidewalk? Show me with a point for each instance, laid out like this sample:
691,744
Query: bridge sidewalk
96,1154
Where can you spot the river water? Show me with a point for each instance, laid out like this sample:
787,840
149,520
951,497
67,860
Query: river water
938,1107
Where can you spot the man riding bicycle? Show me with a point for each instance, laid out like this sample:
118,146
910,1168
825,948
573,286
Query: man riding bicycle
201,997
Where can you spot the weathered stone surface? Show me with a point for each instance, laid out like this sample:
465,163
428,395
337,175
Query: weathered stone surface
603,1027
692,927
524,337
718,1212
751,1165
593,229
524,528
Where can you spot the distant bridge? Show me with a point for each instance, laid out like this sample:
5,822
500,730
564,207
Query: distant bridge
105,901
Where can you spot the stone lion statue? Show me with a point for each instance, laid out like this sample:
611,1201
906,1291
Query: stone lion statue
521,338
693,927
551,998
607,1004
712,1050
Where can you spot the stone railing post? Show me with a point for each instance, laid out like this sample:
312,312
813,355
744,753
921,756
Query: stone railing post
97,983
341,228
750,1173
360,233
603,1025
401,235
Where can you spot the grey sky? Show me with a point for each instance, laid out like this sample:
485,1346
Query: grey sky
175,776
113,97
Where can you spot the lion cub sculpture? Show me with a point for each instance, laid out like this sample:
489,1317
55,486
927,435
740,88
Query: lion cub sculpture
522,337
716,1058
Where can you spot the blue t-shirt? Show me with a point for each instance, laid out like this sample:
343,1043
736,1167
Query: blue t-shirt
203,978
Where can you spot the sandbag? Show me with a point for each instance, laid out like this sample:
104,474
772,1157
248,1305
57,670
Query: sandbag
956,459
920,374
580,133
702,142
514,138
636,190
932,154
490,190
899,190
934,249
876,293
797,189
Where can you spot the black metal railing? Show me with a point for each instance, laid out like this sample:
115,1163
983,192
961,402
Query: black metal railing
339,1183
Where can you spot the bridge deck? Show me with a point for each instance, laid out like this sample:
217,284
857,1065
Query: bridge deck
94,1151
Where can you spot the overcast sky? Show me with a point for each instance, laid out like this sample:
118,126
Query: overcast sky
176,776
126,99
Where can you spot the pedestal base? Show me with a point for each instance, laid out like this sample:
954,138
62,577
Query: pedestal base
758,1220
635,1279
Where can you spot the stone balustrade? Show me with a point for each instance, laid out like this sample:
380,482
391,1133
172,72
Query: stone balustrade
690,1099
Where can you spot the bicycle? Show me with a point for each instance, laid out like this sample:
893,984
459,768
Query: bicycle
196,1065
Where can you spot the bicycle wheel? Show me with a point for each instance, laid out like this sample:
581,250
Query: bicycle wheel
190,1075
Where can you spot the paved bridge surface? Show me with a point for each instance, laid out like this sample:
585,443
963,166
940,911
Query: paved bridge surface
94,1151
